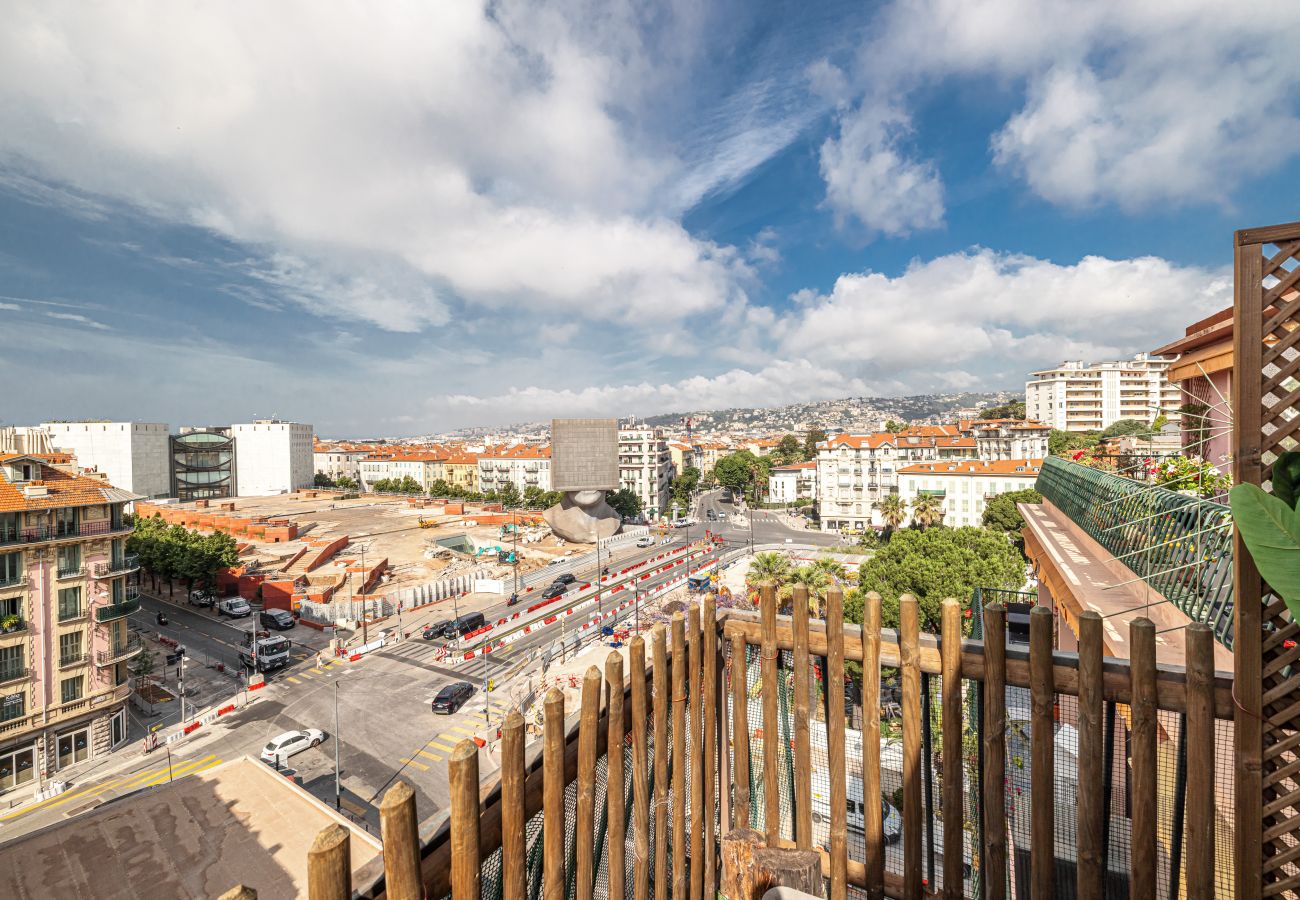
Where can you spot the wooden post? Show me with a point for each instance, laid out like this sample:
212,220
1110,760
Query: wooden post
911,676
615,796
662,702
740,731
995,752
553,827
514,820
1042,740
679,848
695,671
1142,671
640,787
709,631
1092,855
738,848
873,826
953,793
584,835
329,865
835,766
1200,761
462,775
771,727
399,825
240,892
783,867
803,837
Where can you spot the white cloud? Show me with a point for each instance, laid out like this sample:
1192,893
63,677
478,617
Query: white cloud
1134,104
10,306
78,319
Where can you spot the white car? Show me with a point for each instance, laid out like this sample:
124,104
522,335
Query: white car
645,541
281,747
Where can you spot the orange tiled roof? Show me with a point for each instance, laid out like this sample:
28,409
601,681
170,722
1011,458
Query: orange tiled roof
811,464
62,489
1021,467
929,431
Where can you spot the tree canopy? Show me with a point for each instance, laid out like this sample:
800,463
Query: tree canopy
624,502
1001,514
741,470
934,564
1013,410
172,551
684,486
810,441
790,450
893,426
404,485
1065,443
1121,427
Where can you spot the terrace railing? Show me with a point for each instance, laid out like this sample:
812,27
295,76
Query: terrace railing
1180,545
1002,773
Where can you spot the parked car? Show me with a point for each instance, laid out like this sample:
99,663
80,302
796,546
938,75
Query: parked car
646,541
452,697
465,624
435,630
566,578
554,590
235,607
279,619
722,517
202,598
281,747
711,516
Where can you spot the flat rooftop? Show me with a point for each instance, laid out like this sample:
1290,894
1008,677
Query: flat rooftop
236,823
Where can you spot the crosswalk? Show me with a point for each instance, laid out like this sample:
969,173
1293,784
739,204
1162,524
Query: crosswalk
301,675
151,777
440,746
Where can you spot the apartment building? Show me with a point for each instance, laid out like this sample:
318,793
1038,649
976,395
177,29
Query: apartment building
855,471
64,602
683,456
1004,439
707,453
1075,397
965,487
338,462
522,465
790,484
273,457
645,467
460,470
135,456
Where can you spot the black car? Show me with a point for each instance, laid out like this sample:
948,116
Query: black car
554,590
465,624
435,630
452,697
279,619
566,578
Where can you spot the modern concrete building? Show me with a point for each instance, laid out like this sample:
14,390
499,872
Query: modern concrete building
645,467
64,603
203,464
135,456
1075,397
964,488
273,457
790,484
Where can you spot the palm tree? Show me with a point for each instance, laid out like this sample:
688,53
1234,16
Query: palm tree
927,510
771,566
893,510
815,578
833,568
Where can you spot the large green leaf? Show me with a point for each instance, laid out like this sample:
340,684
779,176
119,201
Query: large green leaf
1271,530
1286,477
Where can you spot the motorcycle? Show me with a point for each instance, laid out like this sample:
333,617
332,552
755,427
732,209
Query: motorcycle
162,618
514,598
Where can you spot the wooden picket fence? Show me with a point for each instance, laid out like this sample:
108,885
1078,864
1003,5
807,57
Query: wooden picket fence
685,681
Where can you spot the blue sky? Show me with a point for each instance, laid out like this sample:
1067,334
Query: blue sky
407,219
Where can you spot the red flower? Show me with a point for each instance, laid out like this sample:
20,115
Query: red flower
969,613
1289,645
1077,456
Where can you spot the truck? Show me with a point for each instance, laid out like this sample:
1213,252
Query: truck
264,653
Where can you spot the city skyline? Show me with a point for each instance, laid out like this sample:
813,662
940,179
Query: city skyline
406,224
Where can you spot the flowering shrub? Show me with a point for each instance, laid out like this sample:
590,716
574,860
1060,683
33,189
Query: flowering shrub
1192,476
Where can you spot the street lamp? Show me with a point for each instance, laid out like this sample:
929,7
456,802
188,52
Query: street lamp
337,791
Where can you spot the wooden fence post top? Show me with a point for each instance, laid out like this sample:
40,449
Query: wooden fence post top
463,751
514,719
554,700
240,892
329,838
395,796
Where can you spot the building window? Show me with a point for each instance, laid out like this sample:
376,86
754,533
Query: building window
69,561
71,688
69,604
69,648
13,706
11,568
17,767
11,663
65,520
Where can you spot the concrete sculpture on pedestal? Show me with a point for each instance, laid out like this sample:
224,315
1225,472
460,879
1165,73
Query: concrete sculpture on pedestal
584,465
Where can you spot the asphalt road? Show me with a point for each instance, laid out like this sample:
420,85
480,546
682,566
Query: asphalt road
766,526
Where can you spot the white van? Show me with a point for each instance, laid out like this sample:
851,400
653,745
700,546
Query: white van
890,818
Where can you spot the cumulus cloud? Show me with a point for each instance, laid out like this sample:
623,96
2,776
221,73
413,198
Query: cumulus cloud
1132,104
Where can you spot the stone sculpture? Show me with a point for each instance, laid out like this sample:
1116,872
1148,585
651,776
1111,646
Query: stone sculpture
584,465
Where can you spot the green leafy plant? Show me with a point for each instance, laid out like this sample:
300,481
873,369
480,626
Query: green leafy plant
1286,477
1271,530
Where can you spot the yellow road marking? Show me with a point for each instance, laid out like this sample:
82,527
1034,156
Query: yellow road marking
179,771
142,776
318,671
293,680
462,730
61,798
432,756
441,746
418,765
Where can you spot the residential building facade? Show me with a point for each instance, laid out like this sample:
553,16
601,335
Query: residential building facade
790,484
1075,397
64,602
522,465
645,467
855,471
965,487
135,456
1203,377
273,457
338,462
1003,439
460,470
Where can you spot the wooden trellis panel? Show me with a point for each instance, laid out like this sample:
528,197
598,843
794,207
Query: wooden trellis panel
1266,404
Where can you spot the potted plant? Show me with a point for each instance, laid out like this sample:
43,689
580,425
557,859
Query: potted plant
11,622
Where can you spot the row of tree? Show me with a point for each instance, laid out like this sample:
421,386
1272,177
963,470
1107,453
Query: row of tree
343,482
173,551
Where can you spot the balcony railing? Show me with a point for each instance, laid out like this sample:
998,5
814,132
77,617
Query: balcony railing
70,572
8,582
119,651
32,534
736,746
71,659
124,566
12,673
1181,546
129,604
